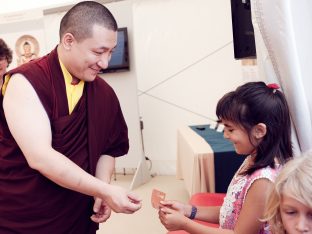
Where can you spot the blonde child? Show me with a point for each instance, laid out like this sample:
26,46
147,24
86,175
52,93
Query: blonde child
289,208
257,122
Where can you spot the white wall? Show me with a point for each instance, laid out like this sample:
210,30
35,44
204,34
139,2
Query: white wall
22,24
18,5
185,63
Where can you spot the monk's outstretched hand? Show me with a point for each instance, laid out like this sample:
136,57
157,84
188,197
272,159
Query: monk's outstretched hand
121,200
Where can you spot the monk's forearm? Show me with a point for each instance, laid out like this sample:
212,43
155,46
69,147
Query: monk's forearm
66,173
105,168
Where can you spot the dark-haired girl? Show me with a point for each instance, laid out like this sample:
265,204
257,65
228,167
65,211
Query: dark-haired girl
256,120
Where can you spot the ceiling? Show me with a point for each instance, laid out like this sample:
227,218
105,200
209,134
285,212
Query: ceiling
11,6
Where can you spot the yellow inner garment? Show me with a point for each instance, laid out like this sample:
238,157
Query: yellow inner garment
5,84
73,92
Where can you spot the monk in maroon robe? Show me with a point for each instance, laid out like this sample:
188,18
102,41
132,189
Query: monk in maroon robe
55,164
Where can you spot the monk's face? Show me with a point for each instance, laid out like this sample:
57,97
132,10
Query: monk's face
91,55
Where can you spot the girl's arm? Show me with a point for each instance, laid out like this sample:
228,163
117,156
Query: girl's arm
205,213
208,214
248,220
253,207
174,220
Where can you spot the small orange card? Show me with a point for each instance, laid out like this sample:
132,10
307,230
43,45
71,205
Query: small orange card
156,197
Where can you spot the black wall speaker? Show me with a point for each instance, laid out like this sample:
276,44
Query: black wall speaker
243,33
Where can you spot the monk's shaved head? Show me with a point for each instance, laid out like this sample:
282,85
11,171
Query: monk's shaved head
81,18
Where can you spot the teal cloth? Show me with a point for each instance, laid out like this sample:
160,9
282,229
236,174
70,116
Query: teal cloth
215,139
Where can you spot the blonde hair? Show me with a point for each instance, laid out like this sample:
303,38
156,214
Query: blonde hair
295,180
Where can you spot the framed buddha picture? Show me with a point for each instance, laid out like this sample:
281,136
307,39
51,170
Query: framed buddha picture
26,49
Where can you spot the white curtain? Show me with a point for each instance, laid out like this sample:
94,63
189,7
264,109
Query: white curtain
283,35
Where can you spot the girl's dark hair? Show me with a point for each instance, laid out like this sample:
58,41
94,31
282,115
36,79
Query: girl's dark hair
254,103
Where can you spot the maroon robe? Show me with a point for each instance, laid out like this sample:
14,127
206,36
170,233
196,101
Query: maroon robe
31,203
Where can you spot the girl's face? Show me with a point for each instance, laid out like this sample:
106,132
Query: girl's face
296,217
239,137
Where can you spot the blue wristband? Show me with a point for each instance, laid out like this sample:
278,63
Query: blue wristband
193,213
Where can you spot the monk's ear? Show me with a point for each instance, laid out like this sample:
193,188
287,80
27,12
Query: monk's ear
259,130
68,40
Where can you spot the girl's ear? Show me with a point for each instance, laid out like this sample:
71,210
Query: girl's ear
259,130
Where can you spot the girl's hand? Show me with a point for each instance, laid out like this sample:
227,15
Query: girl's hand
184,209
172,219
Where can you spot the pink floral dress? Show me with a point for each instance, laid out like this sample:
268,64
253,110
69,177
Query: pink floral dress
236,195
